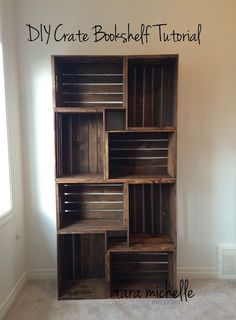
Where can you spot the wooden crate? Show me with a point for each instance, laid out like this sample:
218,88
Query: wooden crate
141,154
89,82
144,273
152,210
152,92
79,144
81,266
90,207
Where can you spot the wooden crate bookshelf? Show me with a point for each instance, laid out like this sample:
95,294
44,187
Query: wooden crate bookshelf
115,149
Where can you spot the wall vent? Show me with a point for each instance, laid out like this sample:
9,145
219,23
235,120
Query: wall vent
227,261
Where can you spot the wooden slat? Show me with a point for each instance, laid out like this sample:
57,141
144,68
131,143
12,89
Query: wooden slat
91,226
93,147
172,157
89,99
94,79
142,257
91,89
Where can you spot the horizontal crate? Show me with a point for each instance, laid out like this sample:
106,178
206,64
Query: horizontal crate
140,272
79,144
152,96
141,154
81,266
89,82
90,207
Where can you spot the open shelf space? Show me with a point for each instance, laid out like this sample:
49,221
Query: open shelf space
141,154
116,239
89,81
115,120
152,92
79,144
84,289
81,265
90,207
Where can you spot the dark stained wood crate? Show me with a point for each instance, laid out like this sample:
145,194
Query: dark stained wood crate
152,92
141,154
79,142
81,265
89,82
140,272
152,210
90,207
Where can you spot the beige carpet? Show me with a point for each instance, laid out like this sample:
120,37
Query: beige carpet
214,299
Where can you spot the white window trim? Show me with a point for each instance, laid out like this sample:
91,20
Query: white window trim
8,215
10,116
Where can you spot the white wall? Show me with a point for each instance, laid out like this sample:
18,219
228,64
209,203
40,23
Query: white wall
12,253
206,116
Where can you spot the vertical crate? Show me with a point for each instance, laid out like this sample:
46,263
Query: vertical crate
79,144
152,92
81,266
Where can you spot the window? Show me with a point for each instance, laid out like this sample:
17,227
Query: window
5,188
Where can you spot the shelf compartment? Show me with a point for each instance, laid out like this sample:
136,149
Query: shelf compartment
152,92
79,144
90,207
117,239
145,243
144,154
81,266
152,210
140,271
115,120
89,81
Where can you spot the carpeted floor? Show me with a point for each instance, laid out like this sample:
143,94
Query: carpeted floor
214,299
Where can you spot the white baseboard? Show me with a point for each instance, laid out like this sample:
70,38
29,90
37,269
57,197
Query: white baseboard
42,274
187,273
10,299
196,273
